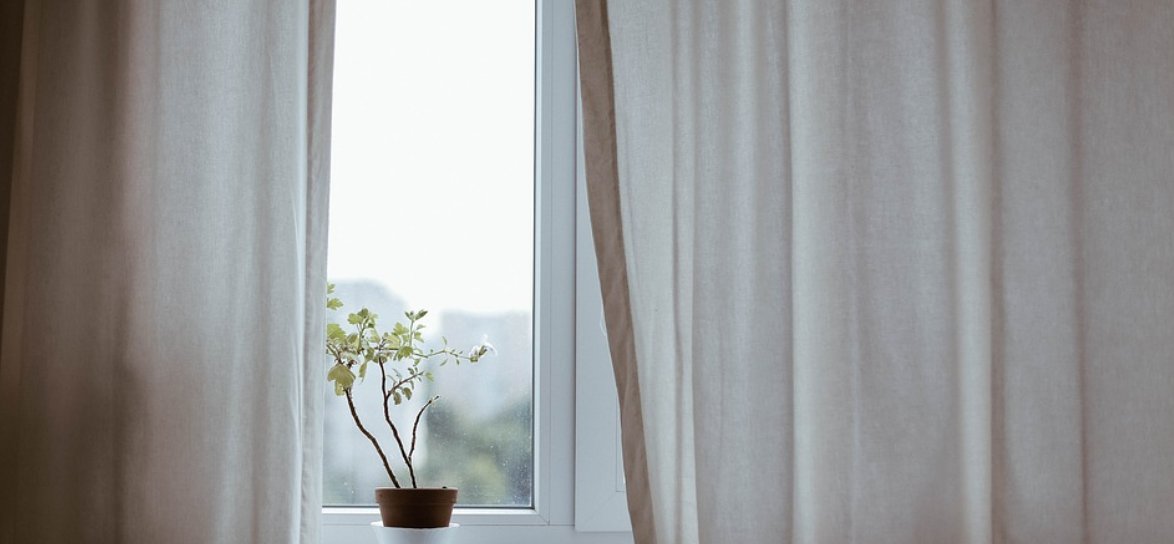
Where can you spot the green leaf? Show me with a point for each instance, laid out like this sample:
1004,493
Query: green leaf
407,393
363,371
354,319
342,377
334,332
333,303
395,396
329,288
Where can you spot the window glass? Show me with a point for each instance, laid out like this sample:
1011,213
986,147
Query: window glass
432,199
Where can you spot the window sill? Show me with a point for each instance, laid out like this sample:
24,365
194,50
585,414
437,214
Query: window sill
478,526
463,516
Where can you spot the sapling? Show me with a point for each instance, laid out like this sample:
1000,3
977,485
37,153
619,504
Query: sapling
402,361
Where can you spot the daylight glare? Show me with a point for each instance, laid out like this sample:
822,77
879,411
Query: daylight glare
432,155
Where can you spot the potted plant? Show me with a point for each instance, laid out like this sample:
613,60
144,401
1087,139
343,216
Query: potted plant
402,362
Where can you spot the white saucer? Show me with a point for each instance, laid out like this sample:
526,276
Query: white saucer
400,535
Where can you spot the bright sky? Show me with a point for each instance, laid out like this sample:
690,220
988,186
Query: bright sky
432,153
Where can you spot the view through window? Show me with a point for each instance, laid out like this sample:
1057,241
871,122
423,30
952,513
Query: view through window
432,193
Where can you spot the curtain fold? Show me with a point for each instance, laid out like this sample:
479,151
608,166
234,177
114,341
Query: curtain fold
889,272
597,99
165,271
11,25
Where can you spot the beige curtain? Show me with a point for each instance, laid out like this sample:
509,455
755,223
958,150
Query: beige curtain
165,258
887,272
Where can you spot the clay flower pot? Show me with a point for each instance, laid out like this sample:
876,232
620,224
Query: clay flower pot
416,508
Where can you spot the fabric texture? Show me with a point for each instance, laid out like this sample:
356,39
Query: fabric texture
895,272
160,378
597,99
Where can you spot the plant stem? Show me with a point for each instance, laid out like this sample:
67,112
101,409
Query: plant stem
416,425
387,392
350,400
387,417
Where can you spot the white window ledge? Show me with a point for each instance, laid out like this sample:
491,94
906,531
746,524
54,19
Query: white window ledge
478,526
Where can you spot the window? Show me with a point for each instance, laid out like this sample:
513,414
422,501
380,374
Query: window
432,193
472,109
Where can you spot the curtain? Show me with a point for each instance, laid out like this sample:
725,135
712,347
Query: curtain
167,164
887,272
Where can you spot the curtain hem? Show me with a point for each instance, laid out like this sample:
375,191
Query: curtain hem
598,103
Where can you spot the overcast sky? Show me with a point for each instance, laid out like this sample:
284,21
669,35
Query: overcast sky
432,154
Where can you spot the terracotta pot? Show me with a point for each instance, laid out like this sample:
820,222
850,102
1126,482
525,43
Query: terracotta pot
416,508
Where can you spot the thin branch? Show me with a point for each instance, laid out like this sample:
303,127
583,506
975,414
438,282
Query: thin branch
394,431
350,400
416,425
387,392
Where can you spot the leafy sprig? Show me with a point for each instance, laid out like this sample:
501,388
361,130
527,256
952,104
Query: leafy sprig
402,359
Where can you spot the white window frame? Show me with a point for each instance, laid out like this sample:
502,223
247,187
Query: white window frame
574,392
